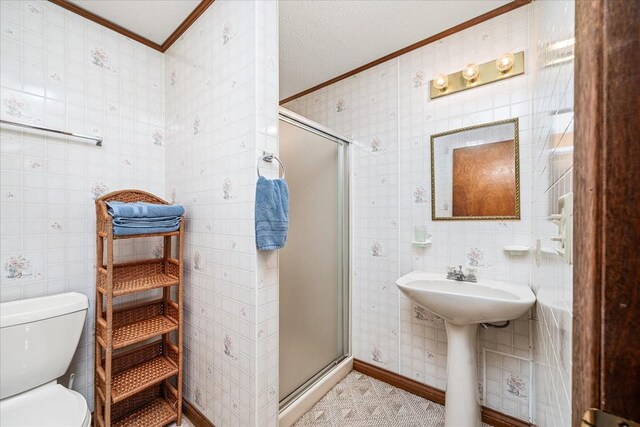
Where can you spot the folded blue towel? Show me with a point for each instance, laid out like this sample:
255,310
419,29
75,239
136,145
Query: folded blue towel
129,226
143,210
161,221
144,218
272,213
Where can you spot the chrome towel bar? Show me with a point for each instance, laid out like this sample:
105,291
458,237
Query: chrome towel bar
97,139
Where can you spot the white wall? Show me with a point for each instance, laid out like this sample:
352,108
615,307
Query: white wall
388,112
58,69
63,71
552,278
221,79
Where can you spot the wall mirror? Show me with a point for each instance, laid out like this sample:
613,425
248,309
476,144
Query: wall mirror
475,173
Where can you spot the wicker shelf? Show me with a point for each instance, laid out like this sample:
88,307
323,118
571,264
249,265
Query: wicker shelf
127,383
137,370
142,330
148,408
139,276
139,323
158,413
137,383
135,236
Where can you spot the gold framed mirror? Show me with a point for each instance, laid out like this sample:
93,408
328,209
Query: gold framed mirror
475,172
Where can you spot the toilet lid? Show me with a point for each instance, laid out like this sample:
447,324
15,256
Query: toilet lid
50,405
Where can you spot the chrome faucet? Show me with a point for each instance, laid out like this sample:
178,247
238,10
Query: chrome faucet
459,275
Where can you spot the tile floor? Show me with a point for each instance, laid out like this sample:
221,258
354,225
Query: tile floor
362,401
185,423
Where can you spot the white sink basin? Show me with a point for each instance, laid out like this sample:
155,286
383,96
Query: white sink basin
463,305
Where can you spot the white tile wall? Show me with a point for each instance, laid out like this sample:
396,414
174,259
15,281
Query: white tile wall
221,101
266,127
552,178
60,70
221,78
387,111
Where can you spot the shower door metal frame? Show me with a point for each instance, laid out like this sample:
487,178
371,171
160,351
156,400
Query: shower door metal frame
316,128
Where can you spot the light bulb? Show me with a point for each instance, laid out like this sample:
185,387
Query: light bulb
470,72
441,81
505,62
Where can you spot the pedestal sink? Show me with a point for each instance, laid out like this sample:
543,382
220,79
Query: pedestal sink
463,306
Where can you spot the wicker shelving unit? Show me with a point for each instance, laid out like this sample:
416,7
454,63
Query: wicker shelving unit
138,353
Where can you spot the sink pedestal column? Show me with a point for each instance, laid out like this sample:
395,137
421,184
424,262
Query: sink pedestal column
462,407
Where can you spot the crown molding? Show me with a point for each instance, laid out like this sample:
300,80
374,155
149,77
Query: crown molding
175,35
456,29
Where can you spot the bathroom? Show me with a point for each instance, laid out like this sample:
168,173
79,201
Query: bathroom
381,286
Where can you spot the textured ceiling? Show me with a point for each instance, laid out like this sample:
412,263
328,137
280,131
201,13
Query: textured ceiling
321,39
152,19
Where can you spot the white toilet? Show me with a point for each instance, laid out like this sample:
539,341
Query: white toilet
38,338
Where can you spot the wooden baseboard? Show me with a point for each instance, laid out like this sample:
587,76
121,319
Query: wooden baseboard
498,419
489,416
196,417
430,393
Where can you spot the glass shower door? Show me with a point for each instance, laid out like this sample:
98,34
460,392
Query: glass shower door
312,264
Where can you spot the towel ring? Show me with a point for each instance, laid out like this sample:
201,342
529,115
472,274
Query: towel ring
268,157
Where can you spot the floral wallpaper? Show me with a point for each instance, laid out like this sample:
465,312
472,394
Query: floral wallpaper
216,126
100,58
386,110
376,145
551,277
17,107
107,85
420,195
516,386
62,71
19,267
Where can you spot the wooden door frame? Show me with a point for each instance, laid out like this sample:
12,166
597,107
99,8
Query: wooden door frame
606,284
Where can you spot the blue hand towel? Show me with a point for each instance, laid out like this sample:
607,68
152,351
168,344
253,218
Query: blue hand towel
272,213
143,210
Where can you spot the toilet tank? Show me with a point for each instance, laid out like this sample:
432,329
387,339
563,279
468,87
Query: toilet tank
38,338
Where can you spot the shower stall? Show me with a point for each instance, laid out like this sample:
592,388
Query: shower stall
314,265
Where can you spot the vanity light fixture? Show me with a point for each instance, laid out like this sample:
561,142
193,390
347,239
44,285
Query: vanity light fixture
470,72
441,81
473,75
505,62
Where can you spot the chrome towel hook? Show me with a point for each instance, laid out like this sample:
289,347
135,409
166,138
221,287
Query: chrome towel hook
269,157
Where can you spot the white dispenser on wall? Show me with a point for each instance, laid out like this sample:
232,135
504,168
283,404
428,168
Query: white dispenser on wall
564,222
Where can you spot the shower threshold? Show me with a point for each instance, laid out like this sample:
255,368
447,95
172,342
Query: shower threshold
301,400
